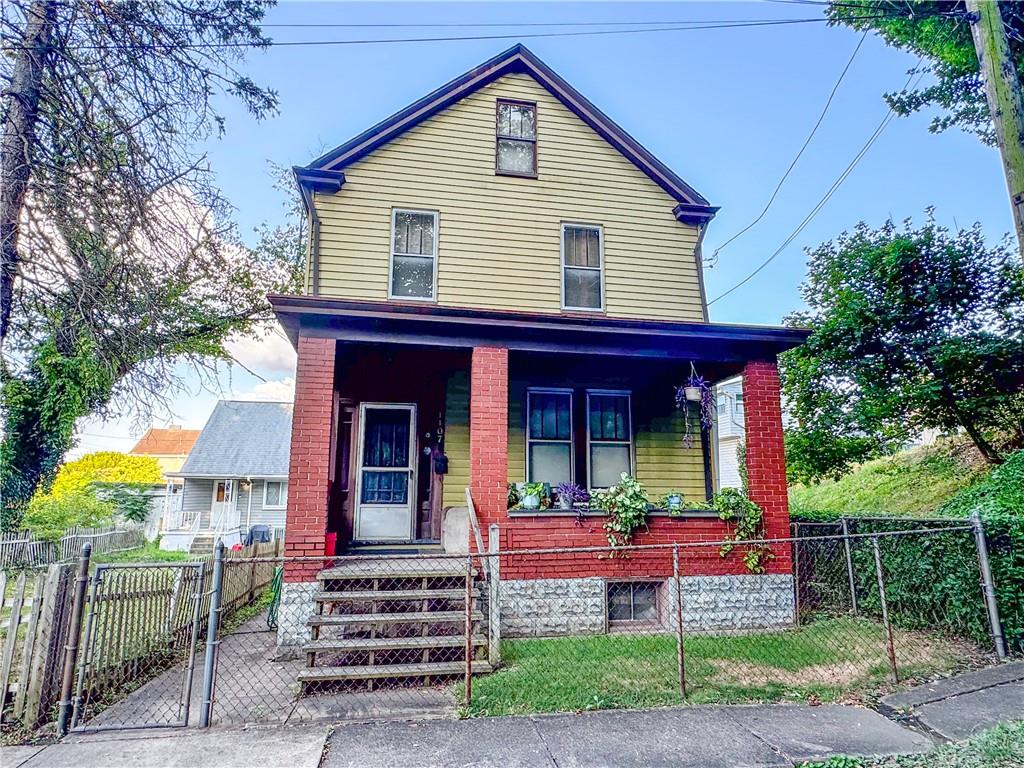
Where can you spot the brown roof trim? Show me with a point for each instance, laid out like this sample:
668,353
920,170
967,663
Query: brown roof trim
352,320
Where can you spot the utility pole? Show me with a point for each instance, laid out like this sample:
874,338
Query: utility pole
1005,99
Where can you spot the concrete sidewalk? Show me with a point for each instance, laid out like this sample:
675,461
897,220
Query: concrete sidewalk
770,736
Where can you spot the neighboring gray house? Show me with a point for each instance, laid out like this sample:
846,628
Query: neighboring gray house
235,478
730,431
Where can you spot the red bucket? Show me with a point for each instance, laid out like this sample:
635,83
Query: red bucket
330,543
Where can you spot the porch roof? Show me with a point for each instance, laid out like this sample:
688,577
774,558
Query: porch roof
433,325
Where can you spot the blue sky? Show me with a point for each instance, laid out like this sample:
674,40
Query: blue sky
726,109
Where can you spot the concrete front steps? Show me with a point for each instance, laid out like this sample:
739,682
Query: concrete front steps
202,544
392,622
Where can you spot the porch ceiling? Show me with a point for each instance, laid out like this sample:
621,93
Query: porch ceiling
431,325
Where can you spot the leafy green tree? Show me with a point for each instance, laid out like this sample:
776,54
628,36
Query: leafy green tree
120,265
50,517
104,467
912,329
940,34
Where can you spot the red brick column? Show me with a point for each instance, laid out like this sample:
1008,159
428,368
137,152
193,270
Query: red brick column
308,470
766,458
488,434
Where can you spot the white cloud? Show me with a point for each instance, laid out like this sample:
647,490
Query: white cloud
268,353
280,390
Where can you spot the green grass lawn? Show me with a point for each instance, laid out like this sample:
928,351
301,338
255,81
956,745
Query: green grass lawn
826,659
909,484
999,747
150,552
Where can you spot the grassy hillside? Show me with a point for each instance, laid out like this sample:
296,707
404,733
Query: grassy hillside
911,484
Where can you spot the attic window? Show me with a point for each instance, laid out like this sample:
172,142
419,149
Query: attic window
516,151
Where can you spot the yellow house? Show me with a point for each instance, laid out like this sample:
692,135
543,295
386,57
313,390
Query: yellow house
504,287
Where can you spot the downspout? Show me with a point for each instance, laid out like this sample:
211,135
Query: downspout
248,511
698,254
313,247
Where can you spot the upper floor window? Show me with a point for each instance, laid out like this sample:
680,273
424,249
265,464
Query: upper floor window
582,266
516,151
413,254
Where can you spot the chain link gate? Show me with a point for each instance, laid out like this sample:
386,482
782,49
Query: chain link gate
138,656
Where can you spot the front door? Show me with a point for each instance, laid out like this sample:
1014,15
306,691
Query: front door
386,481
222,509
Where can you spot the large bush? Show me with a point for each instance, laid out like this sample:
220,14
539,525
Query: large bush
49,517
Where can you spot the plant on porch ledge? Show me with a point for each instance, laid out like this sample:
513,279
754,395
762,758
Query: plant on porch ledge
733,506
626,505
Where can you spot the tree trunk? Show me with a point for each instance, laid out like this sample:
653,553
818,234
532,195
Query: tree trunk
17,141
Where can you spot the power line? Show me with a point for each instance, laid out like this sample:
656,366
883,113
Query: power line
828,195
164,47
792,165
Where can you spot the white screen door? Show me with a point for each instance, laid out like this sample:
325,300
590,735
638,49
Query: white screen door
387,484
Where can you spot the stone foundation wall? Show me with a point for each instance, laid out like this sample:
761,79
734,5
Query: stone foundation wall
549,607
295,610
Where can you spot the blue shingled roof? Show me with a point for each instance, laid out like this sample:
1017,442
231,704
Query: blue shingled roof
242,439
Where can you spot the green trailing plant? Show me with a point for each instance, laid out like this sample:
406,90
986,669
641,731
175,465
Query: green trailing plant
513,496
626,505
747,519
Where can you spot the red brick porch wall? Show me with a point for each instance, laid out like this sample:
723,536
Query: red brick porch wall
488,434
309,467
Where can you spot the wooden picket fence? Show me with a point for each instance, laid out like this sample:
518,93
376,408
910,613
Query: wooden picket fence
144,616
23,549
33,638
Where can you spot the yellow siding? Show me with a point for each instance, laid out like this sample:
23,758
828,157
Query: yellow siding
456,440
499,236
663,462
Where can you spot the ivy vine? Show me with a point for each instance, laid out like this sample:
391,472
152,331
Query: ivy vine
626,505
747,519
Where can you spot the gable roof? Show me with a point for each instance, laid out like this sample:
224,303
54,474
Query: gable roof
169,441
242,439
324,173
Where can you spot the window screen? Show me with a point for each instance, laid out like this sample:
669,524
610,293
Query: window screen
549,436
413,254
610,437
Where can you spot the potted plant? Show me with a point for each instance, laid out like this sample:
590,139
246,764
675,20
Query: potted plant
513,496
570,494
673,501
532,495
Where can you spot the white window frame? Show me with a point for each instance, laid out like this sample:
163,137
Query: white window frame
391,256
599,268
628,394
572,431
283,497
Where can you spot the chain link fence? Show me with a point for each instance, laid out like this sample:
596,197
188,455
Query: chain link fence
268,639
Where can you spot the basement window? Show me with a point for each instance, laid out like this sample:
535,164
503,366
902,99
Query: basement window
632,601
516,136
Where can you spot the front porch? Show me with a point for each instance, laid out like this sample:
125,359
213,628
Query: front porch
400,411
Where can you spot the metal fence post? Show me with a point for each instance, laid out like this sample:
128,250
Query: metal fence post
849,565
680,649
988,589
890,646
71,648
493,596
469,629
212,640
795,548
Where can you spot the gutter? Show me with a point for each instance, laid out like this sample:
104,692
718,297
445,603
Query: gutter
309,181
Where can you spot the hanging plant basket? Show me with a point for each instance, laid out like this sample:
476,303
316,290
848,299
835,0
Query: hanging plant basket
692,394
